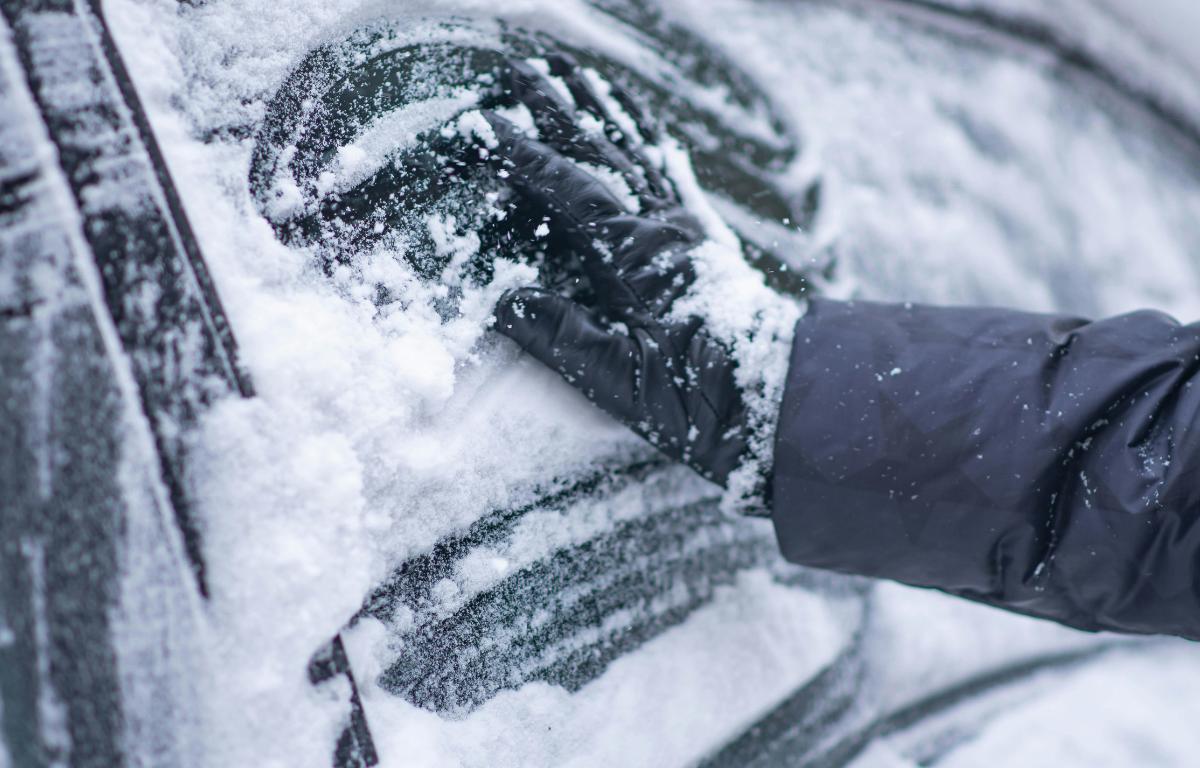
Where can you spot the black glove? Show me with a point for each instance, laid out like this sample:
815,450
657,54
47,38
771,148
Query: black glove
663,375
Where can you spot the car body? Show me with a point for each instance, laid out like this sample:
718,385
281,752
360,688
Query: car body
365,531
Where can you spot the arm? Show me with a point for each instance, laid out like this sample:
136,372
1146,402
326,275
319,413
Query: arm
1044,464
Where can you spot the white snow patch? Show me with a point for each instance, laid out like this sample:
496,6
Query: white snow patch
730,662
392,131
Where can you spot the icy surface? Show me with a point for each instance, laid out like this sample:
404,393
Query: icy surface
377,433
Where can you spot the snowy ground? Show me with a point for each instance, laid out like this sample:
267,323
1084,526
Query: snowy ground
949,177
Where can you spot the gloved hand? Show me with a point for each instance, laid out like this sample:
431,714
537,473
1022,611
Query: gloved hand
635,351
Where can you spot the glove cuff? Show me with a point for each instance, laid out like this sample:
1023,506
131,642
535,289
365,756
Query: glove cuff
760,343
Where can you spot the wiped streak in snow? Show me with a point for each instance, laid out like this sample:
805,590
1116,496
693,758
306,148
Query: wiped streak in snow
54,735
387,133
658,706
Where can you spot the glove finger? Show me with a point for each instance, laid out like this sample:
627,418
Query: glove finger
556,118
550,109
556,115
612,244
575,200
625,137
649,131
549,179
618,141
653,383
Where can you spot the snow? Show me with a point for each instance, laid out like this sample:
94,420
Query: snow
1112,724
1172,24
393,130
378,432
52,712
1053,213
736,652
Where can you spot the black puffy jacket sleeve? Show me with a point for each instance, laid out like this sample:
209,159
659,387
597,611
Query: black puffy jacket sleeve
1045,464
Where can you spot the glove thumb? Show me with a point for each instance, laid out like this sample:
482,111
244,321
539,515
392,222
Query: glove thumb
572,340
